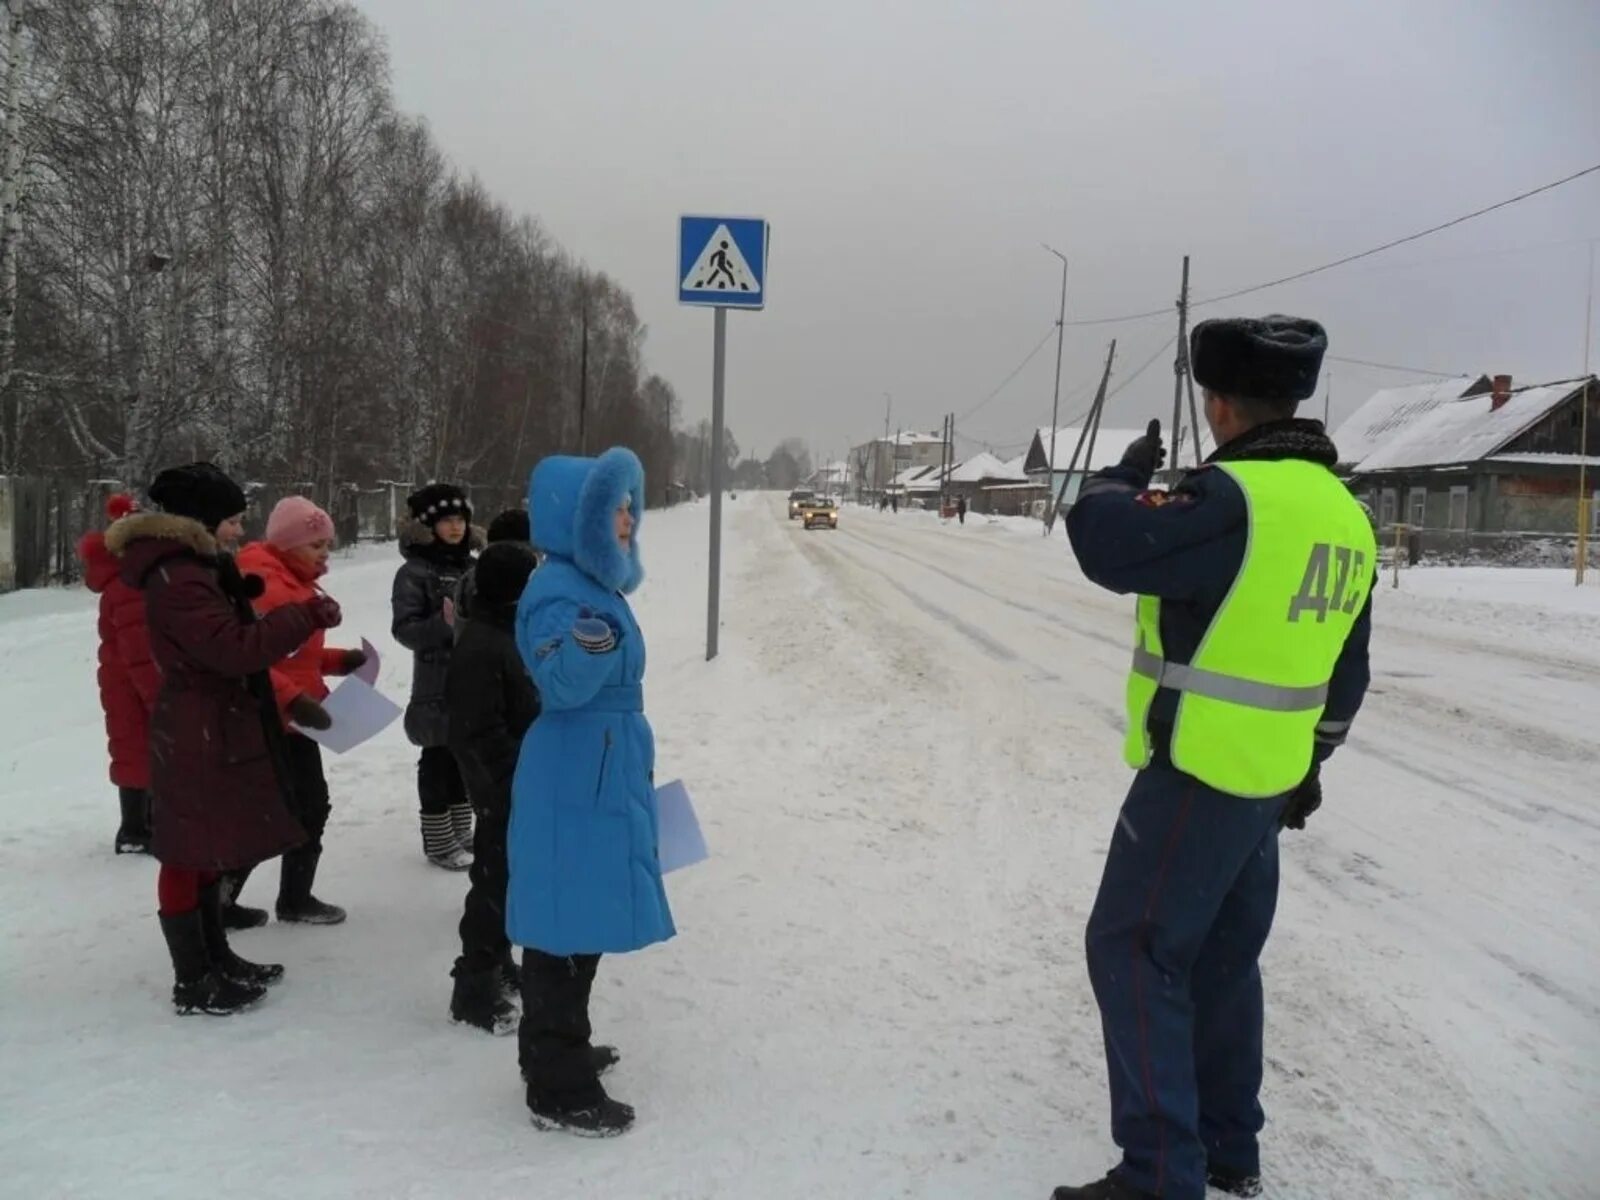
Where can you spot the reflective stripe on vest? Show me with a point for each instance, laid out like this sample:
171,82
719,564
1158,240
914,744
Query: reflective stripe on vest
1250,699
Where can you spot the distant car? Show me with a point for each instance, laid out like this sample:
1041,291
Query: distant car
821,513
798,499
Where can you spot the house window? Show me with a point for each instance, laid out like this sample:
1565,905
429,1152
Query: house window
1594,515
1388,507
1458,509
1417,507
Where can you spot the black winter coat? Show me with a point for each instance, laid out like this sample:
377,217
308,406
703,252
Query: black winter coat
492,701
429,574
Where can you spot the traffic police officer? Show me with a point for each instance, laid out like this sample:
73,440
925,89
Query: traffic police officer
1253,579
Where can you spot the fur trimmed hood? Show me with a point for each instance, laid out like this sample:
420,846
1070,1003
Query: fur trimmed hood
572,501
166,527
144,541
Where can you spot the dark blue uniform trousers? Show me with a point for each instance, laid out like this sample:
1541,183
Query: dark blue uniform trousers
1185,904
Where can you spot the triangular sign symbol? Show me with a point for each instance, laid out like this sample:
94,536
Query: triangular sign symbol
721,267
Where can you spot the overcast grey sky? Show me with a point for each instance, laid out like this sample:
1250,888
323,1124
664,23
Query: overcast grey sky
911,156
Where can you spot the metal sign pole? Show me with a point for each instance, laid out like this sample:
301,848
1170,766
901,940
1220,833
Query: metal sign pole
719,355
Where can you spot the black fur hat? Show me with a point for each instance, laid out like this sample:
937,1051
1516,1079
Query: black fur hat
433,503
1272,358
510,526
502,572
200,491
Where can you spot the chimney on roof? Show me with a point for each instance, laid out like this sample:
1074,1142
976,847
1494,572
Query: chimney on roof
1501,393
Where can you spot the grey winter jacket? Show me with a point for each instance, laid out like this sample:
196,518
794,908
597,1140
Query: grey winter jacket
429,574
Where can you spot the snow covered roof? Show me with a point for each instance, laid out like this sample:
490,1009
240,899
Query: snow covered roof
1017,466
910,437
1535,459
911,475
1465,430
1392,409
984,466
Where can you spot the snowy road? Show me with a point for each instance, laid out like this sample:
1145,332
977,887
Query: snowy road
907,762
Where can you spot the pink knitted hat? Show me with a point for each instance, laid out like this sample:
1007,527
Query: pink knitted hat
296,522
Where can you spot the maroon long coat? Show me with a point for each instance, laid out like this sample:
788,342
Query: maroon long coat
217,783
129,678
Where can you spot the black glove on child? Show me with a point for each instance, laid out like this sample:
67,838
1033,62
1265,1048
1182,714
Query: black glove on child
324,611
308,714
1303,801
351,661
1146,454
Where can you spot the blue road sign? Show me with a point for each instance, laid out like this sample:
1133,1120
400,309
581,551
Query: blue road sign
722,261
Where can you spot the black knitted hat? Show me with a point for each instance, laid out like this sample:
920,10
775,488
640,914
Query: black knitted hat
502,572
200,491
1272,358
510,526
433,503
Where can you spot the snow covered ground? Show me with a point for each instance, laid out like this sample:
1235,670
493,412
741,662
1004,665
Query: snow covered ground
907,763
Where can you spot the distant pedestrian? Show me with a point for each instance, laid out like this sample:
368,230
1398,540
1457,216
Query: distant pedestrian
961,509
437,545
585,869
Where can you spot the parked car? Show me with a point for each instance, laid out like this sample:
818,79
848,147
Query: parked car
797,500
821,513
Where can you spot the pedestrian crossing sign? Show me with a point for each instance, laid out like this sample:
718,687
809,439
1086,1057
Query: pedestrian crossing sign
722,261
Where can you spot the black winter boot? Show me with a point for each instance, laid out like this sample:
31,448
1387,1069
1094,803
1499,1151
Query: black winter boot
1234,1183
198,987
440,845
1112,1187
133,835
478,1000
601,1117
226,963
511,979
238,916
295,901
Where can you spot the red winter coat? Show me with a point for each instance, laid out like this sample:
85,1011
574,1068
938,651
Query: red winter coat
303,670
129,677
217,780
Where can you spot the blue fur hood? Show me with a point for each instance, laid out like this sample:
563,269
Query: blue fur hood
572,501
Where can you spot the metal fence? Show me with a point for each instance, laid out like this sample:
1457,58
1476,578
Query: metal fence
42,517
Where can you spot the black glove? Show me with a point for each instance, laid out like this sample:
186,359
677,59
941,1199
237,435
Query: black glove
308,714
323,611
1146,454
351,661
1303,801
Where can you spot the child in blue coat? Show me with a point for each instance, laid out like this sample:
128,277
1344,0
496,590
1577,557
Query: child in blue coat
585,876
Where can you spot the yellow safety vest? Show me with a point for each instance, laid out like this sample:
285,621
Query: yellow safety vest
1251,697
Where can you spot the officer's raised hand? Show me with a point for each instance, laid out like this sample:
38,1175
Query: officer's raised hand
1146,454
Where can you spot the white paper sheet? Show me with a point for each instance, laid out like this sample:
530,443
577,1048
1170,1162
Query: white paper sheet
358,712
680,841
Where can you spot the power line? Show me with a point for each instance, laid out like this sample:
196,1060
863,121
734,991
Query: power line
1361,362
1349,258
1143,367
1017,370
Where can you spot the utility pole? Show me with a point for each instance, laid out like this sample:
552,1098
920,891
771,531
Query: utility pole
583,375
1061,333
1584,517
1180,372
1089,433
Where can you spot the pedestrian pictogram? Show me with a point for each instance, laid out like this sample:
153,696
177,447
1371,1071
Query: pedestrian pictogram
722,261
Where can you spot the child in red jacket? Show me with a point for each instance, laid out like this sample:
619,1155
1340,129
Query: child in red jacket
294,556
129,679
